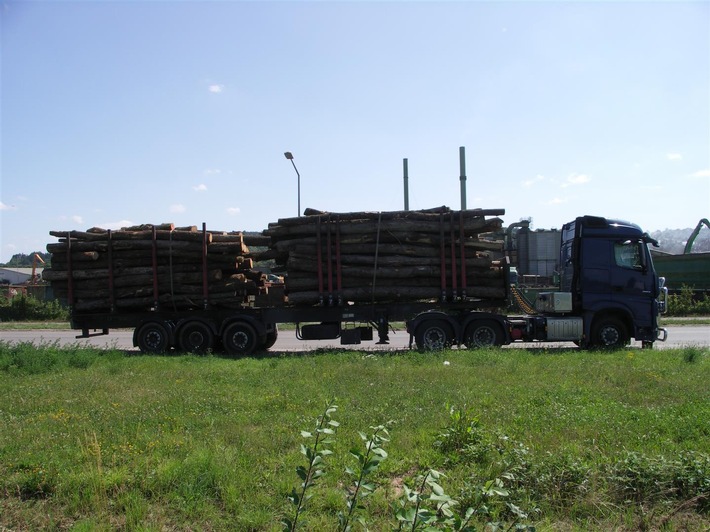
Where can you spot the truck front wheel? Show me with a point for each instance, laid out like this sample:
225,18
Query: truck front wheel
239,339
484,333
433,335
609,333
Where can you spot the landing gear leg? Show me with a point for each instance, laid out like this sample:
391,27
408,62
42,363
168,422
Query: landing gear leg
383,330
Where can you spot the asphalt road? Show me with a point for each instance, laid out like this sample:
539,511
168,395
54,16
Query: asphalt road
678,336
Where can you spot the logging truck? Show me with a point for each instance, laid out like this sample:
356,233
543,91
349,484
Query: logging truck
349,276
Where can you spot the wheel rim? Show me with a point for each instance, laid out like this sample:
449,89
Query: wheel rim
610,336
196,337
434,338
153,338
239,339
482,337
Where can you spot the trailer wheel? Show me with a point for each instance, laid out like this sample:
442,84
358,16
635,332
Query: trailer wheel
433,335
270,339
609,333
152,337
239,339
195,337
483,333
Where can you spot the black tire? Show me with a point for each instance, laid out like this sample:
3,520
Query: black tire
270,339
483,333
239,339
609,333
434,335
195,337
152,337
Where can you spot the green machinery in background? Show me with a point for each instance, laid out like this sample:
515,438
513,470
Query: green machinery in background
689,269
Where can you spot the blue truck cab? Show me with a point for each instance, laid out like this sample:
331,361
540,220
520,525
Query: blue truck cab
607,269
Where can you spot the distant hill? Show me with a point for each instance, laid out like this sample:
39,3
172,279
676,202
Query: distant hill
673,240
20,260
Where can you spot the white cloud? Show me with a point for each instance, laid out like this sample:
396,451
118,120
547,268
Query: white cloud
576,179
116,225
200,188
233,211
177,208
531,182
212,171
216,88
674,156
4,207
701,173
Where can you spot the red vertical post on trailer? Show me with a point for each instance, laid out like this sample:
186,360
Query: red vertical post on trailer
329,258
111,295
454,275
205,286
156,294
442,247
70,272
338,268
462,242
319,257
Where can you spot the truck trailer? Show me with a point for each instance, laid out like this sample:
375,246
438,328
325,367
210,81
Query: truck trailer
609,292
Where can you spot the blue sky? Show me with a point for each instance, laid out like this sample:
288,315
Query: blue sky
127,112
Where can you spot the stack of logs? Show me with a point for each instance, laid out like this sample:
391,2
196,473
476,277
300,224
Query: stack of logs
153,266
389,256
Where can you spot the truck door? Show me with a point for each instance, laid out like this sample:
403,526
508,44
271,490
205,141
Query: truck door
633,281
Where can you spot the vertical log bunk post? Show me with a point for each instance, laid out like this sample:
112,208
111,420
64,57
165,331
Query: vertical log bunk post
382,321
329,265
111,294
442,257
338,268
454,275
377,256
205,287
319,257
70,274
156,293
462,242
170,269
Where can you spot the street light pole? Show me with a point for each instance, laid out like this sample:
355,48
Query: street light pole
289,156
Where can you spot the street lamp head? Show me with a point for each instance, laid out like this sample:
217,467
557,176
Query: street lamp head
288,155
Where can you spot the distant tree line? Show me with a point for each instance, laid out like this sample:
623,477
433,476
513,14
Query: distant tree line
673,240
21,260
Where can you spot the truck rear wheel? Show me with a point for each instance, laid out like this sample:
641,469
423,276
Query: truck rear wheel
483,333
195,337
609,333
152,337
434,335
239,339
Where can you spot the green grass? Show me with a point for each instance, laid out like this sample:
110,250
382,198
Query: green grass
97,440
